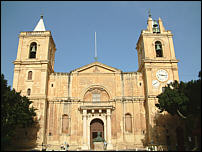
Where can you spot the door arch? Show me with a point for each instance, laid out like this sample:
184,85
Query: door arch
96,125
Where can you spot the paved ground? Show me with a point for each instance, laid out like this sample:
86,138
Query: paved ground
112,150
95,150
107,150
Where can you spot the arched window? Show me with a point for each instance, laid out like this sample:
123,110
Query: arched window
65,124
96,94
128,122
30,75
158,48
28,92
32,50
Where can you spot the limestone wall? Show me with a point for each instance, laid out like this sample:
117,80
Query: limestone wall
78,86
58,86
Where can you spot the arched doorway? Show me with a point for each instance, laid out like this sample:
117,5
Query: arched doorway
96,126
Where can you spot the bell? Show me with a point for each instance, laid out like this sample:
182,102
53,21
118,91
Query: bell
33,49
158,47
155,24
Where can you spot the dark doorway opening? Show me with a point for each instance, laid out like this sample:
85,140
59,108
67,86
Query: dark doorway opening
96,126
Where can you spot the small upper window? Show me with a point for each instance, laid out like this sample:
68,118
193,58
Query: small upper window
30,75
158,48
28,92
32,50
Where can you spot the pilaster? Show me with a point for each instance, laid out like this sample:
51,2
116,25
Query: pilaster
85,146
109,144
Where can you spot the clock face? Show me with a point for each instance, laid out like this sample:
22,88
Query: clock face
155,83
162,75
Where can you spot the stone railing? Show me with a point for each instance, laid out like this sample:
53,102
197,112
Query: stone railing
100,103
36,33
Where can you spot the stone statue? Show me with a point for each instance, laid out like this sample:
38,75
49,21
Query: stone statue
98,138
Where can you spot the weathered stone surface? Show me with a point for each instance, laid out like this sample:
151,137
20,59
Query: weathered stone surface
98,146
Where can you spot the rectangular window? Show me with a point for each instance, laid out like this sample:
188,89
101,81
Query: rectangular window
65,124
30,75
128,123
96,97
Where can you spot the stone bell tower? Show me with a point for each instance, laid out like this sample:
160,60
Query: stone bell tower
157,63
33,65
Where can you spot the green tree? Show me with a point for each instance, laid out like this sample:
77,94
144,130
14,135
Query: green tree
15,112
184,100
173,99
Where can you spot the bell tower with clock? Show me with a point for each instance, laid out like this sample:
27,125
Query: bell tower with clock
158,65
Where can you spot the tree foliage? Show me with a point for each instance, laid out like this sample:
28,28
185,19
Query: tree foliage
15,112
183,99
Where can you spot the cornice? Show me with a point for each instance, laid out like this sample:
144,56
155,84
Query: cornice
160,61
28,62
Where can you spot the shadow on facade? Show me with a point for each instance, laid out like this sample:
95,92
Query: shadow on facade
167,133
25,138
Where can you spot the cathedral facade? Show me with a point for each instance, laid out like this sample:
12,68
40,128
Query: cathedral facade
74,106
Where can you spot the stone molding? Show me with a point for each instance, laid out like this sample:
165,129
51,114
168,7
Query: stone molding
30,62
35,33
160,61
112,69
96,107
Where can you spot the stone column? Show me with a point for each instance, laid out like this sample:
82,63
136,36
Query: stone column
109,144
105,131
85,146
88,134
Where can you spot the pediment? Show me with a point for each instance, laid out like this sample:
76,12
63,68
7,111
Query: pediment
96,67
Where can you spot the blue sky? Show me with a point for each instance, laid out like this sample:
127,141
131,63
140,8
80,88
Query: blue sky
118,25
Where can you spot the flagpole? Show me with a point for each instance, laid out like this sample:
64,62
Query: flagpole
95,48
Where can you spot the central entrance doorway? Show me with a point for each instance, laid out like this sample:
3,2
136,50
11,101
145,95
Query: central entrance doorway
96,126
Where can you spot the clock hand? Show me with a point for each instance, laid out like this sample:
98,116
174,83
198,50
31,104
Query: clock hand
155,83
